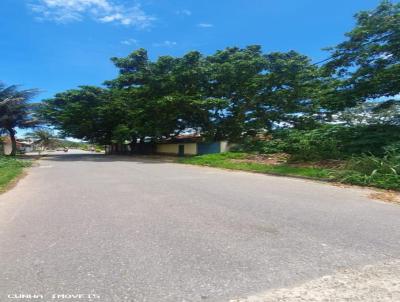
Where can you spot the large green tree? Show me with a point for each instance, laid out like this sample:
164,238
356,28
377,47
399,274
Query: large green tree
79,113
288,92
94,114
262,91
234,92
166,96
367,63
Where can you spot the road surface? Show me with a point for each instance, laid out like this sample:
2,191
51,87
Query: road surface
138,229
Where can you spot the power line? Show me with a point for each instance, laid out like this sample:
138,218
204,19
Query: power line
323,61
363,44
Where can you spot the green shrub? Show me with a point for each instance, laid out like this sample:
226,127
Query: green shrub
274,146
328,141
316,144
368,138
264,147
371,164
383,181
368,169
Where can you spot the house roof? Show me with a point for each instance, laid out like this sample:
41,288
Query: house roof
184,138
7,140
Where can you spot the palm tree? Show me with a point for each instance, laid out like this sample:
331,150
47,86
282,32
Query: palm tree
15,111
44,138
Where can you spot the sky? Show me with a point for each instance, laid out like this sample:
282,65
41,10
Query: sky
55,45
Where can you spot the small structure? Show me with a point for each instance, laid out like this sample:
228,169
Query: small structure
183,145
26,145
129,148
23,146
180,145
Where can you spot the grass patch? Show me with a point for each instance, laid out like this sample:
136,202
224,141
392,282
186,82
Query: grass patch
369,170
227,161
347,174
378,180
10,169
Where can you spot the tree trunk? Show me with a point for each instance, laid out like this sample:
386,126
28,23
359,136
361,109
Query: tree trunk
133,145
13,142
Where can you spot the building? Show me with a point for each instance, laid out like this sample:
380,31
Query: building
183,145
26,145
23,146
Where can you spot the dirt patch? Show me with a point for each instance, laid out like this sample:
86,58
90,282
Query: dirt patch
371,283
326,164
387,196
284,158
266,159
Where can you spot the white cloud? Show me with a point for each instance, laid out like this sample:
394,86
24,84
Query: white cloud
130,42
165,43
184,12
205,25
105,11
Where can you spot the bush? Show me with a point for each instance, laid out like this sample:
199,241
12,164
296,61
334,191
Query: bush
374,139
383,181
370,164
316,144
328,141
368,169
264,147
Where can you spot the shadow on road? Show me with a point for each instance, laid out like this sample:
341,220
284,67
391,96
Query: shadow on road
95,157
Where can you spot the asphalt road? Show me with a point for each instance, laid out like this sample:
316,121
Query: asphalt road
138,229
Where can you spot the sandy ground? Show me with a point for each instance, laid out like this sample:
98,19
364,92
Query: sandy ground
372,283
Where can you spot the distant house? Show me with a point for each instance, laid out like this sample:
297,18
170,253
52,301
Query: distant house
26,145
23,146
182,145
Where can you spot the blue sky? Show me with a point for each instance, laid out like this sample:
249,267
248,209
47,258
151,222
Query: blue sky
56,45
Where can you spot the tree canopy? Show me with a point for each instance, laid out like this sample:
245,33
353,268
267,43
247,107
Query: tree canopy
228,94
237,92
368,61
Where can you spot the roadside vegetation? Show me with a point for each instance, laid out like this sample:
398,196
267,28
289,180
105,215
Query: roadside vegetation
366,155
364,170
10,169
246,162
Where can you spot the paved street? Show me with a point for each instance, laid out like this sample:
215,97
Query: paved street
138,229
